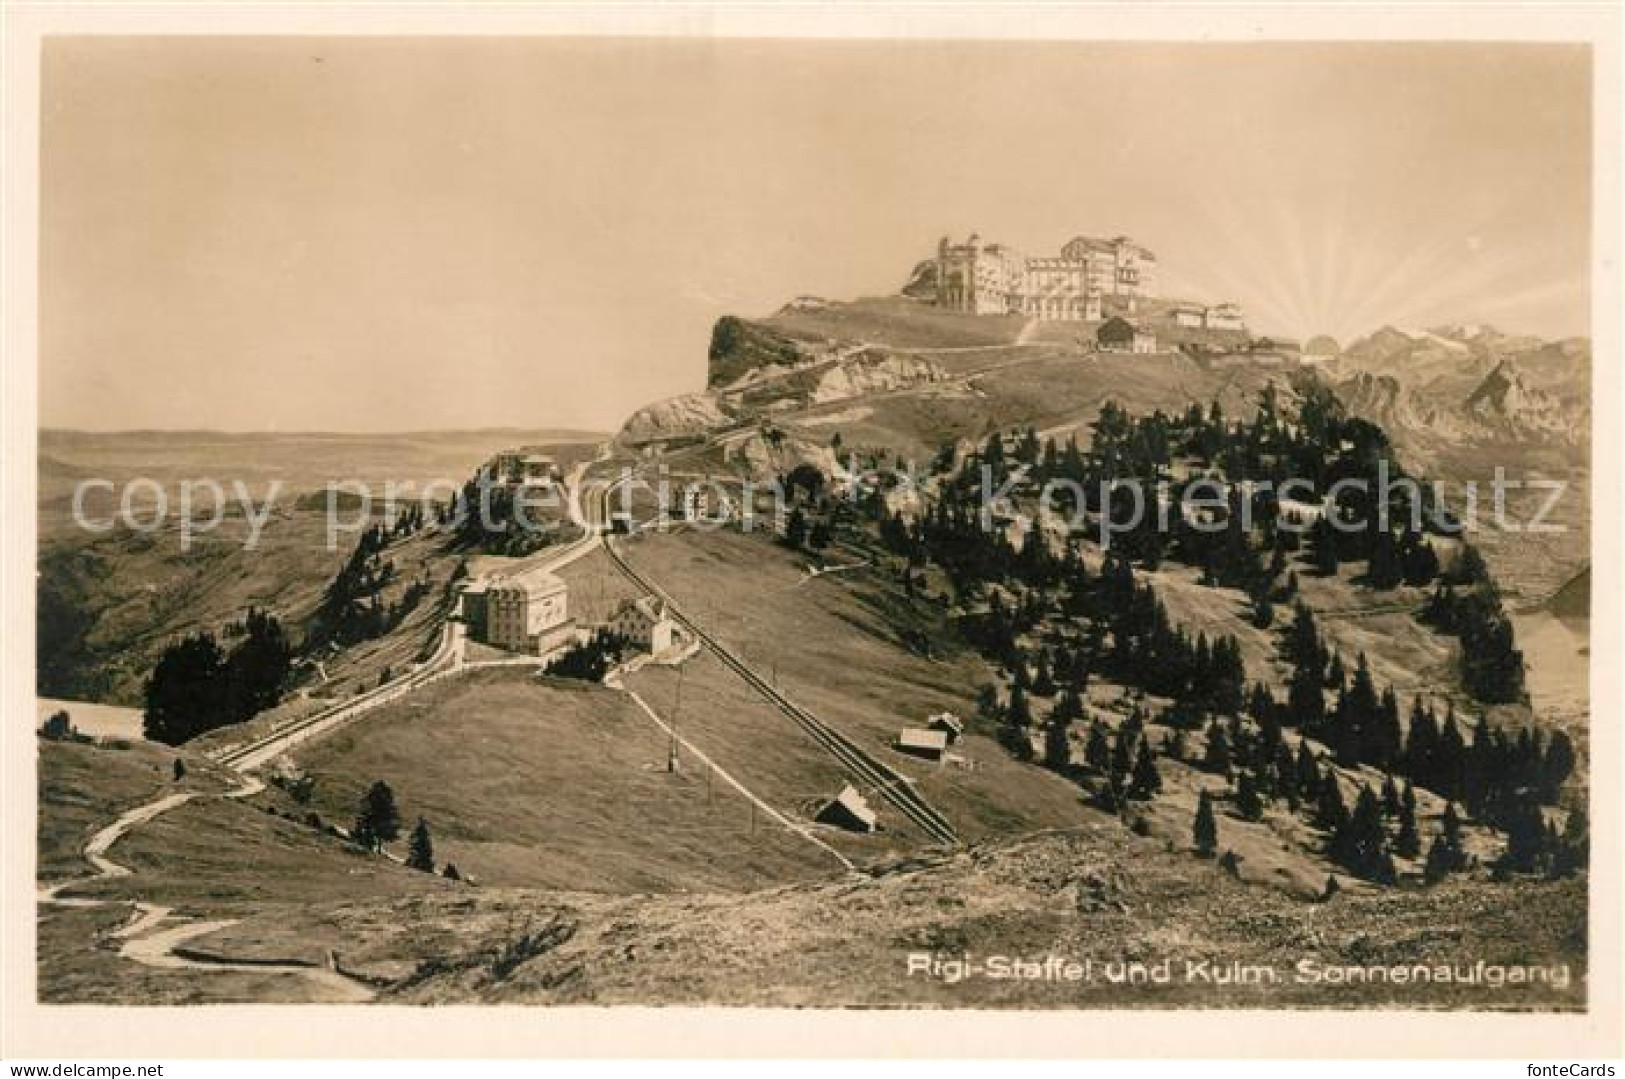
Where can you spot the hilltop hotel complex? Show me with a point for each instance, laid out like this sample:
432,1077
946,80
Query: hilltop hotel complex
994,279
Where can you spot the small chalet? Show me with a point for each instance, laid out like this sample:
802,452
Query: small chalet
646,623
948,724
849,810
1118,334
926,744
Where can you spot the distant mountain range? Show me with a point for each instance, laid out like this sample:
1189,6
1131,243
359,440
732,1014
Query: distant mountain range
1457,391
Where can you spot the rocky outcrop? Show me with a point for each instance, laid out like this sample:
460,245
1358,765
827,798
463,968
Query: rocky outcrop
1508,406
738,347
675,417
873,371
1387,402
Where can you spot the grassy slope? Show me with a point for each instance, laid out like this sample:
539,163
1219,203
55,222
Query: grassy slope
837,649
213,856
84,787
557,785
1091,893
895,321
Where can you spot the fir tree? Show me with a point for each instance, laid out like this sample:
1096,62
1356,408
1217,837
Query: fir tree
378,820
1408,843
420,848
1018,713
1058,745
1248,805
1205,829
1307,776
1439,861
1097,752
1146,780
1390,796
1556,766
1528,843
1217,757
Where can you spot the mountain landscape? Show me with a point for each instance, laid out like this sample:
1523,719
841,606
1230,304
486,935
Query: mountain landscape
659,831
1448,393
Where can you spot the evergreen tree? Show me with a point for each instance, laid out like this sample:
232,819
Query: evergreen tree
1528,843
1449,772
1331,813
1437,865
378,820
1408,844
420,848
1146,780
1205,829
1323,547
185,689
795,528
1069,706
1556,766
1420,757
1390,797
1097,751
1361,845
1445,854
1018,713
1248,804
987,702
1573,850
1306,701
1307,769
1217,758
1058,745
1043,681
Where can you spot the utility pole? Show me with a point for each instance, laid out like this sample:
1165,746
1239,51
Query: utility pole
673,763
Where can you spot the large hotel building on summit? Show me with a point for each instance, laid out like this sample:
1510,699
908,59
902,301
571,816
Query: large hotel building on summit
994,279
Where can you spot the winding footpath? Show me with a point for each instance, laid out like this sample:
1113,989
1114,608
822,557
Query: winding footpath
154,938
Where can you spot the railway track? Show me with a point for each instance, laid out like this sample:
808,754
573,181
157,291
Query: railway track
871,773
252,754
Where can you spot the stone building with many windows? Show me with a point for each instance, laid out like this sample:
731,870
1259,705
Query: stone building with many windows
995,279
522,613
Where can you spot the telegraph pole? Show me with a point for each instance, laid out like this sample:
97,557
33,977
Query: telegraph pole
673,763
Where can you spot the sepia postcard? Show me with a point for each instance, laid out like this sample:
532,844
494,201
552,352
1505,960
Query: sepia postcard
1070,535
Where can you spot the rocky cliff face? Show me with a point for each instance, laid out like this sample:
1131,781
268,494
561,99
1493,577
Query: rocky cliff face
1506,404
675,417
756,372
1385,400
873,372
739,347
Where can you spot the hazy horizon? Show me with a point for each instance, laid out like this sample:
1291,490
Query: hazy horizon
387,236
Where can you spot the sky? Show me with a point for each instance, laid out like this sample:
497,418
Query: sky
402,234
